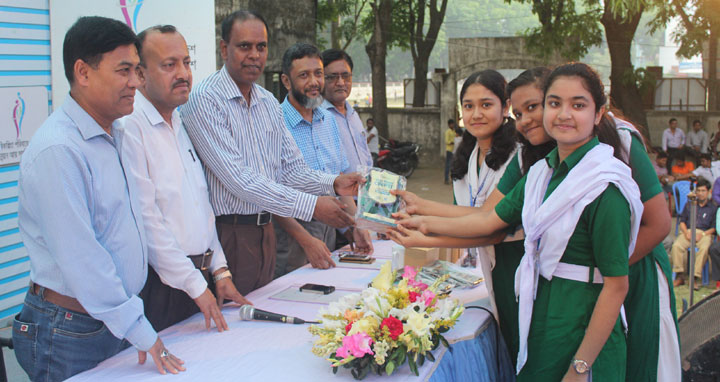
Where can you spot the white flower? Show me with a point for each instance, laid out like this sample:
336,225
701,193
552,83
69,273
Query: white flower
419,323
381,349
375,303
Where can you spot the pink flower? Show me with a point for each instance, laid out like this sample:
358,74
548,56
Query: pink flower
417,284
356,345
409,273
413,296
427,297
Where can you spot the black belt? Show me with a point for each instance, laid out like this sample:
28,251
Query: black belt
254,219
203,260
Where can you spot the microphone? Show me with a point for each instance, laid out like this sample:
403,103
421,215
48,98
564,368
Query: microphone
249,313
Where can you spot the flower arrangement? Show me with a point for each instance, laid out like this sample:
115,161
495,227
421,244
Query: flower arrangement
385,325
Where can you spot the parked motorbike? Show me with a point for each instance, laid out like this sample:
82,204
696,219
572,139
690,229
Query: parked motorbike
399,157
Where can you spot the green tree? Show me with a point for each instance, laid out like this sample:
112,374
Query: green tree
699,26
343,18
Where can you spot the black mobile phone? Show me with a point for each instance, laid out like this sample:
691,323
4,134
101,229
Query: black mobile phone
317,288
352,257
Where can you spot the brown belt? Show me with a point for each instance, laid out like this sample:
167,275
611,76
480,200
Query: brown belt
58,299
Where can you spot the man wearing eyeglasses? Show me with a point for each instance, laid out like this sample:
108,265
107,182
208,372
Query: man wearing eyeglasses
316,134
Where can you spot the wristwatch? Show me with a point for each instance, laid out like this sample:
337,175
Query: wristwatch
222,275
580,366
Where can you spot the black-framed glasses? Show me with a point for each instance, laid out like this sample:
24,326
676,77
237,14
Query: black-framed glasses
335,76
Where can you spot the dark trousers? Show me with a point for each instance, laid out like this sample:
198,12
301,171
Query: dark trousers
250,254
672,154
165,306
448,163
714,253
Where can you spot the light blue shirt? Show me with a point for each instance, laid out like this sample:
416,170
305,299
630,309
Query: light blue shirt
81,221
319,142
352,135
251,161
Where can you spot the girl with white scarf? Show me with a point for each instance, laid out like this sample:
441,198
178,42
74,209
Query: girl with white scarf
581,206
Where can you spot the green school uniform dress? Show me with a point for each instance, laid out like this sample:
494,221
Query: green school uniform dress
563,307
642,302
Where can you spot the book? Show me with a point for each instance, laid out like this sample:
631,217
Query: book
375,202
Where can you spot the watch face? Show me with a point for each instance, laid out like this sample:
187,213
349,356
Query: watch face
581,367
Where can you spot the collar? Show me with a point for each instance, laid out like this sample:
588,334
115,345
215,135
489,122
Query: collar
233,91
552,158
293,116
151,113
89,128
326,105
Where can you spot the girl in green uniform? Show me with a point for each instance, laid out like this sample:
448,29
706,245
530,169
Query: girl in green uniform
653,351
575,316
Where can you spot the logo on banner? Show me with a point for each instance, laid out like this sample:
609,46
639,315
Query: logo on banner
18,114
129,7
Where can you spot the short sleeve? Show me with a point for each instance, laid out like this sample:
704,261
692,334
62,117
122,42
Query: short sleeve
509,209
643,171
610,232
512,175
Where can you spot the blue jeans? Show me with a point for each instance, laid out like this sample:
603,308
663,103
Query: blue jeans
53,344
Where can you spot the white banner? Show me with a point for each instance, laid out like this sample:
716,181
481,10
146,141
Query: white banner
195,20
22,111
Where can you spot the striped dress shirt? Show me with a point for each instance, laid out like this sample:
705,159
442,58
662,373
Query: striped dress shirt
318,141
251,161
81,221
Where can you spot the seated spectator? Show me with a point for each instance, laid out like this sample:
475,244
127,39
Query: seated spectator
660,166
705,170
705,225
714,140
681,166
714,253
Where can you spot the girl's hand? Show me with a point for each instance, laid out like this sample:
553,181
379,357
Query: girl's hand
408,237
413,203
412,222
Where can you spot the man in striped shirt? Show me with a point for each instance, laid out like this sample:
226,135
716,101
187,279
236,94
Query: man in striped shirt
253,166
316,134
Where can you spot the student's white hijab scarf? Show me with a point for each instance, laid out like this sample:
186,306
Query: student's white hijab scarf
554,220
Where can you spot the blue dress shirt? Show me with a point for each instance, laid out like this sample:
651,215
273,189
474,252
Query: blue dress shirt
81,221
319,142
352,135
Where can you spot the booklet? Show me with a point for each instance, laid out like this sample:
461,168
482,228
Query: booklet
375,202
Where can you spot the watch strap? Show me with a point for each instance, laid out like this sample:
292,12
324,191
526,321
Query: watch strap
222,275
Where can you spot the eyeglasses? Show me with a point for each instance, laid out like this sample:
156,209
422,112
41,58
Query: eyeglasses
335,76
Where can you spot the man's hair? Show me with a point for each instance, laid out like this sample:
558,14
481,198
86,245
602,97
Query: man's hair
697,121
331,55
702,182
680,156
240,16
369,119
661,154
90,37
451,121
143,35
706,156
672,120
295,52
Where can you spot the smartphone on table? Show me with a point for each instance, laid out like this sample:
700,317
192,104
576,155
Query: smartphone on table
317,288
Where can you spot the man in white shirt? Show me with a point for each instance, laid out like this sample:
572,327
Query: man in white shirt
705,170
697,141
372,139
673,141
184,250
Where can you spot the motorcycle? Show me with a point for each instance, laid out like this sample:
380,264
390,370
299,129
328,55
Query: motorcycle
399,157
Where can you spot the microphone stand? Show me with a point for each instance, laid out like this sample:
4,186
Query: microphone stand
692,198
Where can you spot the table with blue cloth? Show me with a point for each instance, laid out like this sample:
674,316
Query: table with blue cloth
270,351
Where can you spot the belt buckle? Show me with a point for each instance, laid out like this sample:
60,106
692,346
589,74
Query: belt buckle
263,218
208,253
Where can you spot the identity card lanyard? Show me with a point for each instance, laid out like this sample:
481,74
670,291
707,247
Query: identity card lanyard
473,199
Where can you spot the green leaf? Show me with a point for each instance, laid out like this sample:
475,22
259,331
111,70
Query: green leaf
445,342
390,367
430,356
364,372
413,366
335,369
421,360
402,357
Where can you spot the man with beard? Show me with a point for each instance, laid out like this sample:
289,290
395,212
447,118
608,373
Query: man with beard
316,134
183,247
252,164
338,67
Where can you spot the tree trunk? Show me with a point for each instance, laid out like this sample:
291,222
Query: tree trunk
712,82
421,46
376,49
421,82
334,28
624,93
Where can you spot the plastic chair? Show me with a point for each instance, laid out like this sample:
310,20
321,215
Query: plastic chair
680,191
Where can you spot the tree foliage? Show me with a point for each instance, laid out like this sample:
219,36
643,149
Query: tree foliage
698,19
